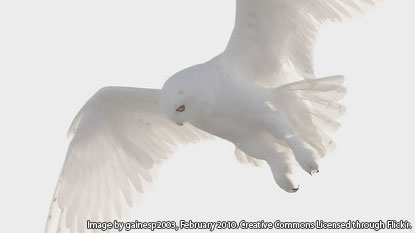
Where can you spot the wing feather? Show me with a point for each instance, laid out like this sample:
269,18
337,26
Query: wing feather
117,139
272,42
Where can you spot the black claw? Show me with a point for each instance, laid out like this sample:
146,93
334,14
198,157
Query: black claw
295,189
314,172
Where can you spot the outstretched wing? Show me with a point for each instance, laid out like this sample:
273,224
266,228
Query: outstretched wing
270,36
117,139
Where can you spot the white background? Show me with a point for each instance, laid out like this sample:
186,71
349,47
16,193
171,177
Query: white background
55,54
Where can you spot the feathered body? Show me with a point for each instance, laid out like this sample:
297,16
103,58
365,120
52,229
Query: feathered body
278,125
261,94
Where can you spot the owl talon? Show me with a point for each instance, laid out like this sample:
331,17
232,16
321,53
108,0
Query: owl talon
314,172
295,189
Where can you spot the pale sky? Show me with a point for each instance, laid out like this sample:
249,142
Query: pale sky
54,55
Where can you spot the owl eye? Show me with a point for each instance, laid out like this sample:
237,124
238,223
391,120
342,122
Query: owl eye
180,109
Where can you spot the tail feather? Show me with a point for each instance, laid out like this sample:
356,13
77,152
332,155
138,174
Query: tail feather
331,109
323,121
327,95
321,84
313,109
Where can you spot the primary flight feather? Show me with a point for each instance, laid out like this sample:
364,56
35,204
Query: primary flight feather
261,94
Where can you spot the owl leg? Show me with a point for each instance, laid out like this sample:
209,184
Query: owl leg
282,130
303,154
280,162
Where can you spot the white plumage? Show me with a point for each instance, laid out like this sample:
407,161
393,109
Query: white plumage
260,94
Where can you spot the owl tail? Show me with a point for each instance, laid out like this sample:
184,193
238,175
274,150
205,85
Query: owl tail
312,108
